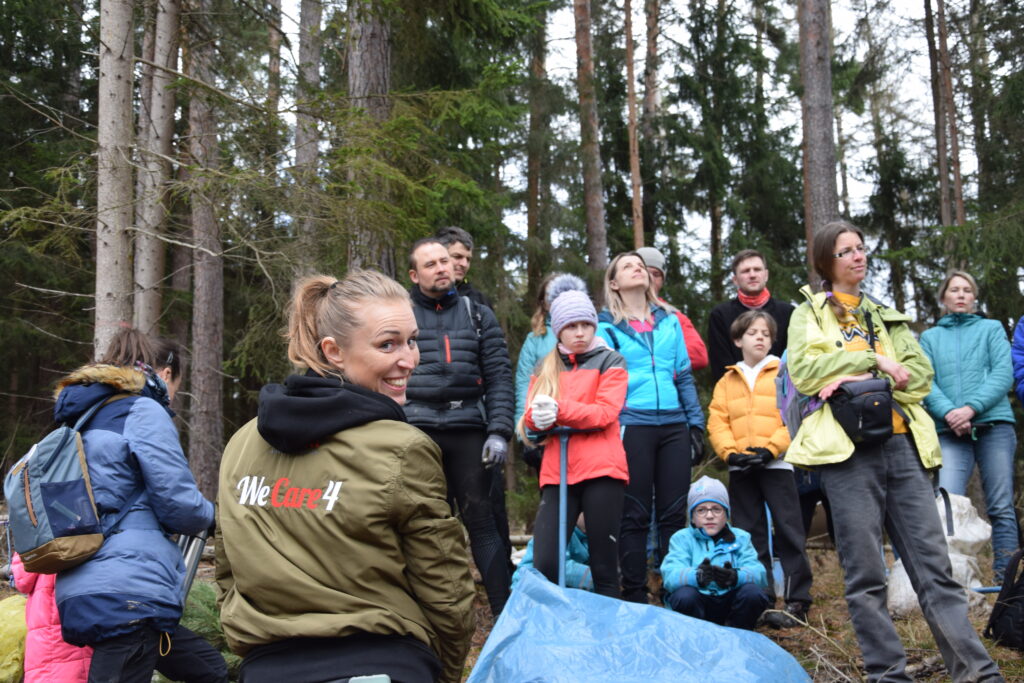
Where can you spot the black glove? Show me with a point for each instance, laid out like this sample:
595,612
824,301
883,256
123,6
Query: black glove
705,573
763,453
745,461
726,576
696,445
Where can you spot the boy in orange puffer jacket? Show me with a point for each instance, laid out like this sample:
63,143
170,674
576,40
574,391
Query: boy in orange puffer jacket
746,431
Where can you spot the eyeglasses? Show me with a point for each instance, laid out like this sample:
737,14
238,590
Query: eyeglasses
860,249
709,511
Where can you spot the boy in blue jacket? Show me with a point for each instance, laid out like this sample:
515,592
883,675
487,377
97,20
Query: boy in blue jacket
711,571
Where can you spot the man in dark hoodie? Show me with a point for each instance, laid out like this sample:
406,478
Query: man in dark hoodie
337,553
462,396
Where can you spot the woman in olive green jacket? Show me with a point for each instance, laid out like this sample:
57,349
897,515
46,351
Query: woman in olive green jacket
882,487
337,552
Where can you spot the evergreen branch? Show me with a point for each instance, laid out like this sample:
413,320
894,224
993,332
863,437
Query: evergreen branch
55,336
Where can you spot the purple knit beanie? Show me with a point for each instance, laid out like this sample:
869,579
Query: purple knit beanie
570,307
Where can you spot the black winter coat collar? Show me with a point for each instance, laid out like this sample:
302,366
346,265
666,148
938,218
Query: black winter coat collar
450,298
295,416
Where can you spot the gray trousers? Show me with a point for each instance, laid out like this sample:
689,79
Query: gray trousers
886,487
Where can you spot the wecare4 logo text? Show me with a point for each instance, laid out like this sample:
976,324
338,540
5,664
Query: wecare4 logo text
255,491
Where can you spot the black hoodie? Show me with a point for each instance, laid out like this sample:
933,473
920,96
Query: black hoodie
294,417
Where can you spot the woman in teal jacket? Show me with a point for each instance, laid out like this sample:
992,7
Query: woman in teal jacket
662,423
884,487
973,374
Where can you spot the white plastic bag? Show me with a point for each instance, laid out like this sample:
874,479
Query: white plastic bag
970,534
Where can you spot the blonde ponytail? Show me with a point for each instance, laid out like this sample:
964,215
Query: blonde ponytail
546,382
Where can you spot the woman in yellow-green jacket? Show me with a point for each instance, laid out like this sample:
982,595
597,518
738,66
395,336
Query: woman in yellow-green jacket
884,487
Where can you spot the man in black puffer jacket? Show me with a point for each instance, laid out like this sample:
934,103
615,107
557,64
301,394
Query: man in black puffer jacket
461,395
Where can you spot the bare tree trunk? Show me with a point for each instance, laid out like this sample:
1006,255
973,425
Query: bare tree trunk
274,39
369,86
114,173
590,137
72,91
307,136
938,106
156,170
649,114
844,183
634,147
819,150
980,101
946,80
538,239
207,433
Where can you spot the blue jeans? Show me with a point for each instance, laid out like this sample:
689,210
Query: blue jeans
992,451
885,487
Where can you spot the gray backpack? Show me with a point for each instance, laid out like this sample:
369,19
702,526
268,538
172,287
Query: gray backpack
52,511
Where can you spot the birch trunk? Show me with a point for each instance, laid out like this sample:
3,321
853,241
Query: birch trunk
590,150
206,438
156,169
819,150
114,174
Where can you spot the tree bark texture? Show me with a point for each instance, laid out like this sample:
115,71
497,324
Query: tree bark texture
307,135
634,146
369,86
206,438
649,138
150,248
274,39
946,80
114,174
538,239
590,150
819,150
939,107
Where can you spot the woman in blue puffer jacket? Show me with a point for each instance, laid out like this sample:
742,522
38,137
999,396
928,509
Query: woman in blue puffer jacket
537,344
662,422
128,595
973,374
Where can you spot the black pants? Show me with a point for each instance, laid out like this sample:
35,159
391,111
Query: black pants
128,658
600,500
501,512
330,660
748,493
469,489
192,660
738,608
659,468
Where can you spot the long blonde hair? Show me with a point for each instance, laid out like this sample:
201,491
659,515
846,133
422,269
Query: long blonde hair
546,382
322,306
612,297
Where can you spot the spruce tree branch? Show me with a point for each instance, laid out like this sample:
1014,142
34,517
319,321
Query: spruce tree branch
53,291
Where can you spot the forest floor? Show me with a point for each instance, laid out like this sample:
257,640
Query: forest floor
827,648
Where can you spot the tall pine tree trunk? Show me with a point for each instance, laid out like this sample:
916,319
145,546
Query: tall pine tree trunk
634,147
939,107
307,135
369,86
152,208
206,438
590,137
819,150
538,236
649,112
946,80
114,173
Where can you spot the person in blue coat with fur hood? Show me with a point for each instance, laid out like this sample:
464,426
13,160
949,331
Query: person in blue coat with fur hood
712,571
128,597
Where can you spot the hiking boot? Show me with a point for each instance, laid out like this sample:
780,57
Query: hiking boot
792,615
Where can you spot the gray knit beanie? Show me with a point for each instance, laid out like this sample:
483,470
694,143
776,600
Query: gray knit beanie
570,307
652,258
707,490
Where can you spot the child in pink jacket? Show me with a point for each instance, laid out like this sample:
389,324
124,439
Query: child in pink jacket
47,657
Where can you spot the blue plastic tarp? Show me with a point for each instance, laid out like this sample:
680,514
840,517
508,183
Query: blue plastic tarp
552,634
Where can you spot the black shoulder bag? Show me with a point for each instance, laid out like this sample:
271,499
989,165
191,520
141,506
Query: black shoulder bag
864,408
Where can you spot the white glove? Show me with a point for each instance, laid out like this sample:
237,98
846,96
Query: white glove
545,411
